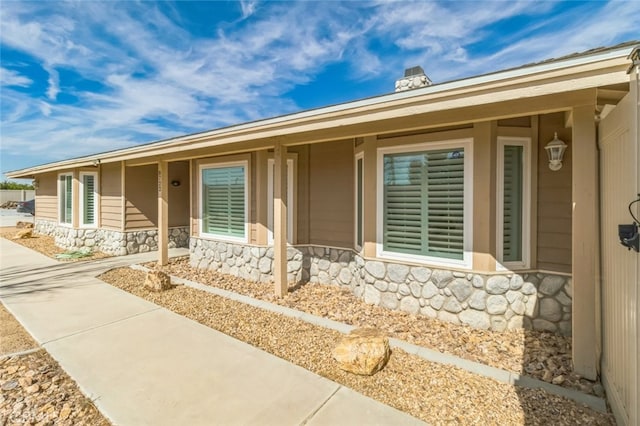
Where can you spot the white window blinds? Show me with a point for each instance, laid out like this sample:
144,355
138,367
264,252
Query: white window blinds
223,201
424,203
89,199
65,193
512,204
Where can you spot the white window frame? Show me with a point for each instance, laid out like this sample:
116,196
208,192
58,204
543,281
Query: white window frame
60,206
96,199
525,263
358,202
291,200
247,200
467,256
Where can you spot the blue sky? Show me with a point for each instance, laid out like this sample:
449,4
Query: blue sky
84,77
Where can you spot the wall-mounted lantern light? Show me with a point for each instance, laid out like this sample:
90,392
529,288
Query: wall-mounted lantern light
35,183
555,151
175,183
96,162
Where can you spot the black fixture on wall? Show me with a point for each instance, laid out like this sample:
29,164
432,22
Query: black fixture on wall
628,233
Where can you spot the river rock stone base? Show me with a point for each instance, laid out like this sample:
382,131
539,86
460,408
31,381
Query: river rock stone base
537,301
108,241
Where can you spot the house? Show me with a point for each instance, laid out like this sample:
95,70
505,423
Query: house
439,200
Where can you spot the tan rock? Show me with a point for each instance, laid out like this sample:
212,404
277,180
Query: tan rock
20,224
24,233
157,281
33,388
65,412
364,351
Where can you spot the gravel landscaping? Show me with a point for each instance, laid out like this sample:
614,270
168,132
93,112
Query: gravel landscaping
44,244
33,387
542,355
435,393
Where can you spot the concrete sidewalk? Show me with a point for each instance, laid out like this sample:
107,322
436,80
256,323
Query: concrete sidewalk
142,364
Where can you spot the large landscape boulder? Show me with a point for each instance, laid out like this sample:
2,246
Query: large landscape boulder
23,233
157,281
364,351
21,224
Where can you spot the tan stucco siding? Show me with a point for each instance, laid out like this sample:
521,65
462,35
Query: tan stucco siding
47,196
554,199
331,194
179,195
141,198
302,193
110,196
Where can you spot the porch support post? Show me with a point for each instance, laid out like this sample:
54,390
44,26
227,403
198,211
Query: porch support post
370,196
584,243
280,220
262,228
163,213
484,195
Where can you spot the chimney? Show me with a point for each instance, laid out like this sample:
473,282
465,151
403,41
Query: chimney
414,78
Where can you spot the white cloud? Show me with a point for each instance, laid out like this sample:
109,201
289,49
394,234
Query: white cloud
152,78
248,8
13,78
54,84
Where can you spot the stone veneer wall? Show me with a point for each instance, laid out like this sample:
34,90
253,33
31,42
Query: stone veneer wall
538,301
112,242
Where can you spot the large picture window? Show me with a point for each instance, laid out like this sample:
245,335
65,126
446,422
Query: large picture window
89,198
426,203
513,203
224,201
65,198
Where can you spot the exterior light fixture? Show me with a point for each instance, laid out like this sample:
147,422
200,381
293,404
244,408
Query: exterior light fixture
35,184
96,162
555,151
175,183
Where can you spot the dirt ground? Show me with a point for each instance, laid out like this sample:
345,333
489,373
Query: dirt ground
33,387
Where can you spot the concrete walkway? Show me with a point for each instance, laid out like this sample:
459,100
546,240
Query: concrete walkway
144,365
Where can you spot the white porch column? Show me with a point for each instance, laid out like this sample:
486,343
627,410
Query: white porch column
280,220
585,240
163,213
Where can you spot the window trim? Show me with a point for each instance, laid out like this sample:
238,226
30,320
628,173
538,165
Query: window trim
291,198
60,222
525,143
467,253
358,202
247,193
96,200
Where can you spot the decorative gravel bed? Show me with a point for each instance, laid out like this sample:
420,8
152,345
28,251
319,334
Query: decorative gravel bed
44,244
435,393
33,387
545,356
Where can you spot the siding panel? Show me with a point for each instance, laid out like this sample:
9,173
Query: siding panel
47,197
110,196
331,194
141,187
554,199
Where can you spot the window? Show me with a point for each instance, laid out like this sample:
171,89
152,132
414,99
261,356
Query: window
425,203
65,198
359,220
513,203
89,198
290,199
224,197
